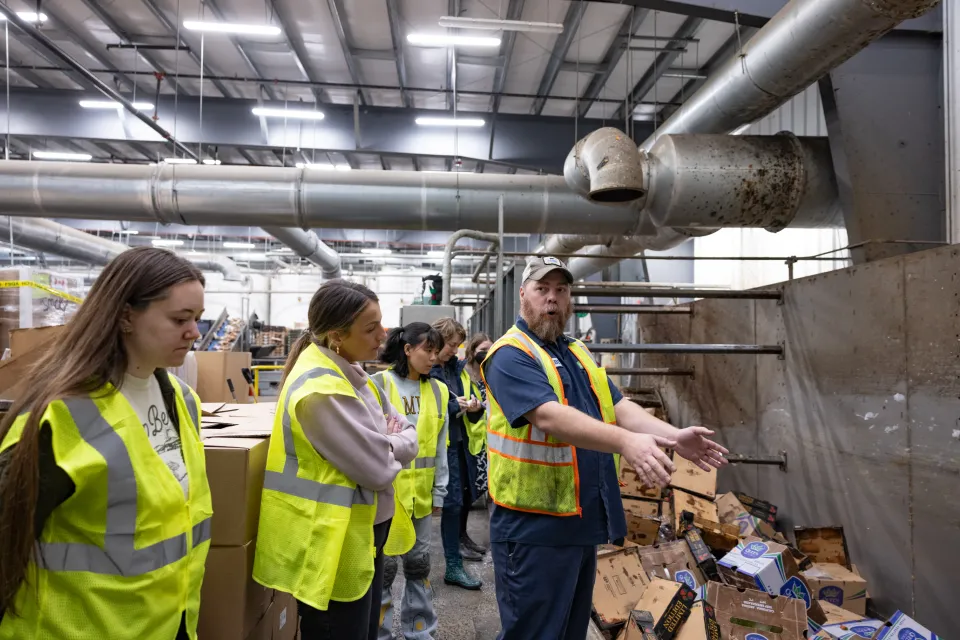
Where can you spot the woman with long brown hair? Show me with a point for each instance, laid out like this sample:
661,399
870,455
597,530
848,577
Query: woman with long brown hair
337,445
104,503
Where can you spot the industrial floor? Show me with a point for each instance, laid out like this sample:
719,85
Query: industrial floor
463,615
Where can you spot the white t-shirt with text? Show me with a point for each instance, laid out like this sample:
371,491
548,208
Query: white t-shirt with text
147,401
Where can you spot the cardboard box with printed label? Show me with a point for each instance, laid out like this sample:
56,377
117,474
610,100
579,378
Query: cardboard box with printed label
231,603
759,508
235,470
701,508
838,585
754,615
671,605
692,479
732,511
620,582
280,622
852,630
770,567
903,627
836,615
672,561
643,520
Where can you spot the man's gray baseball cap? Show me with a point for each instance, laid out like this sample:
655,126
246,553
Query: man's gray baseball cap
540,266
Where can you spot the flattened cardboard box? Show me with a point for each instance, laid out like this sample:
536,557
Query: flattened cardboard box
672,561
643,520
826,545
669,606
753,615
903,627
691,478
770,567
280,622
620,583
702,509
631,486
732,511
852,630
836,615
837,585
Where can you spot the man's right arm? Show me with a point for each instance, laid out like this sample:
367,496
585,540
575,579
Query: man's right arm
521,388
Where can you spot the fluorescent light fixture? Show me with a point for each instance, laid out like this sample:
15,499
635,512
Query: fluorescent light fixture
62,155
160,242
323,166
29,16
179,161
377,252
112,104
132,232
444,39
290,114
239,245
449,122
435,254
229,27
212,161
493,24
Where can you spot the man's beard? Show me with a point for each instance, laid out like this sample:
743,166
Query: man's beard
543,325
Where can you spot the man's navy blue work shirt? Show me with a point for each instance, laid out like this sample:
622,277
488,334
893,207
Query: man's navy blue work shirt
520,385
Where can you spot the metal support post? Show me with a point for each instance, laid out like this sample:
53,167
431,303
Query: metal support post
498,295
747,349
778,461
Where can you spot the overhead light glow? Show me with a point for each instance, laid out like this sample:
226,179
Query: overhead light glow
179,161
29,16
445,39
449,122
454,22
435,254
62,155
239,245
212,161
290,114
131,232
229,27
323,167
160,242
377,252
112,104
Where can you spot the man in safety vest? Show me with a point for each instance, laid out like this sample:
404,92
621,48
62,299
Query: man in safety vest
555,423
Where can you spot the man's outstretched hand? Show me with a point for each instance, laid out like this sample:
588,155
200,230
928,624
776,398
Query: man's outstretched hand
694,445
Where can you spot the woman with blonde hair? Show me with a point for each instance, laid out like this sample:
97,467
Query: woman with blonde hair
337,446
104,503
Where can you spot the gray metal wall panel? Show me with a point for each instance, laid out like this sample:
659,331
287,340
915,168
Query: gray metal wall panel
866,404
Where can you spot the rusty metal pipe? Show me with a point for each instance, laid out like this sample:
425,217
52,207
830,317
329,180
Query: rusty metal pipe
605,166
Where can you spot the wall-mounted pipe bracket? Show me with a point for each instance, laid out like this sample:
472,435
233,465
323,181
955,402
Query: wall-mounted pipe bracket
779,460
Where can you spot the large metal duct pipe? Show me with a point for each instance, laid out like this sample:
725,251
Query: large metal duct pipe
303,198
307,245
59,239
447,273
711,181
797,47
605,166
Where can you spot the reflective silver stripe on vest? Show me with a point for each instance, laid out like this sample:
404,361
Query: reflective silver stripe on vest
435,385
528,451
201,532
423,463
117,557
190,401
287,480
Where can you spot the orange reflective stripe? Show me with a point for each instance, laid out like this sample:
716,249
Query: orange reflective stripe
543,512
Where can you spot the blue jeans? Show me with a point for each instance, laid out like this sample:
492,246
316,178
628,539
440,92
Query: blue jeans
544,593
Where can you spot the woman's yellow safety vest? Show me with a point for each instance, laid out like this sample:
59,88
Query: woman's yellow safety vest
476,430
529,470
315,539
123,557
414,484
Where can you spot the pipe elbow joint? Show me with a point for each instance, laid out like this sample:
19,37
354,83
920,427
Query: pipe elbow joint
606,167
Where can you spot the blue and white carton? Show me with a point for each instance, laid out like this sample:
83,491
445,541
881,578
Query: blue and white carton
903,627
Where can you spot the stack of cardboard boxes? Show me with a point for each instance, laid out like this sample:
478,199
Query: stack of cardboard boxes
232,605
697,566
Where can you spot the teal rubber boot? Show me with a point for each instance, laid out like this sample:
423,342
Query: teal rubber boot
458,576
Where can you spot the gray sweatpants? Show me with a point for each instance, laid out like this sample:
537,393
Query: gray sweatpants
418,620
